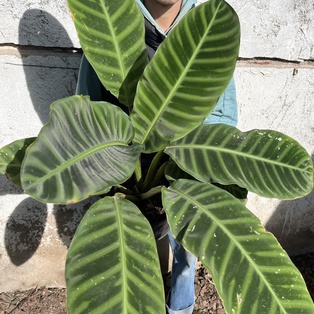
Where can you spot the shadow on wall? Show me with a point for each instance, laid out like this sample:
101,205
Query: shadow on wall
26,225
24,230
51,70
68,218
49,63
293,224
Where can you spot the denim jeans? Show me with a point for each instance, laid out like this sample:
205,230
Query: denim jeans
181,294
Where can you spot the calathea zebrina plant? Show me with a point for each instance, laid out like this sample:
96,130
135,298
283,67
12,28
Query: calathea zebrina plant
94,148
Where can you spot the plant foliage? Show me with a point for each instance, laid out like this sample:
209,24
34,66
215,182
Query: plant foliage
199,172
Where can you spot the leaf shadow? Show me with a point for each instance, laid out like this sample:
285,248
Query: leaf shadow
49,64
68,218
24,230
7,187
43,67
292,223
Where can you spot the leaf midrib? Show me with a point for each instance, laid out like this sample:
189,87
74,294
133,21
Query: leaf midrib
234,240
113,36
234,152
180,79
74,160
122,254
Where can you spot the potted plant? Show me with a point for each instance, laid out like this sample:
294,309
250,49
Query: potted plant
196,173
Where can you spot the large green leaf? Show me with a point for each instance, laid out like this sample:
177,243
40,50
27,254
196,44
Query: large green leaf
190,70
112,36
11,157
252,273
82,151
265,162
112,265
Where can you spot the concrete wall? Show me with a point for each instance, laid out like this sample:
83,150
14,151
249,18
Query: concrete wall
275,84
38,64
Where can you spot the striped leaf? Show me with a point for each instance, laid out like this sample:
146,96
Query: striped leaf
251,272
112,265
265,162
190,70
112,36
11,157
82,151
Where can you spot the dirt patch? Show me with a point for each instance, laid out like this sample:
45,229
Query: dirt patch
41,300
207,299
45,300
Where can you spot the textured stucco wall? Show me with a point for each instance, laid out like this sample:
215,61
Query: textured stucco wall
39,63
276,91
276,29
280,99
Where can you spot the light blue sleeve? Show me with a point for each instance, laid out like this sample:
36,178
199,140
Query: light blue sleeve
226,110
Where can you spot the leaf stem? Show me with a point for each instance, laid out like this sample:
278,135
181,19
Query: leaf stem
138,170
159,174
152,170
151,192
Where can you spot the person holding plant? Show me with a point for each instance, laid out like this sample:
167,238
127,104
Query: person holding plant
161,16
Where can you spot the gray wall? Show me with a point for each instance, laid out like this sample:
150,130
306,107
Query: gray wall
39,59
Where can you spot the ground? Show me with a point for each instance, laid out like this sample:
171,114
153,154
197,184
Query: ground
44,300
